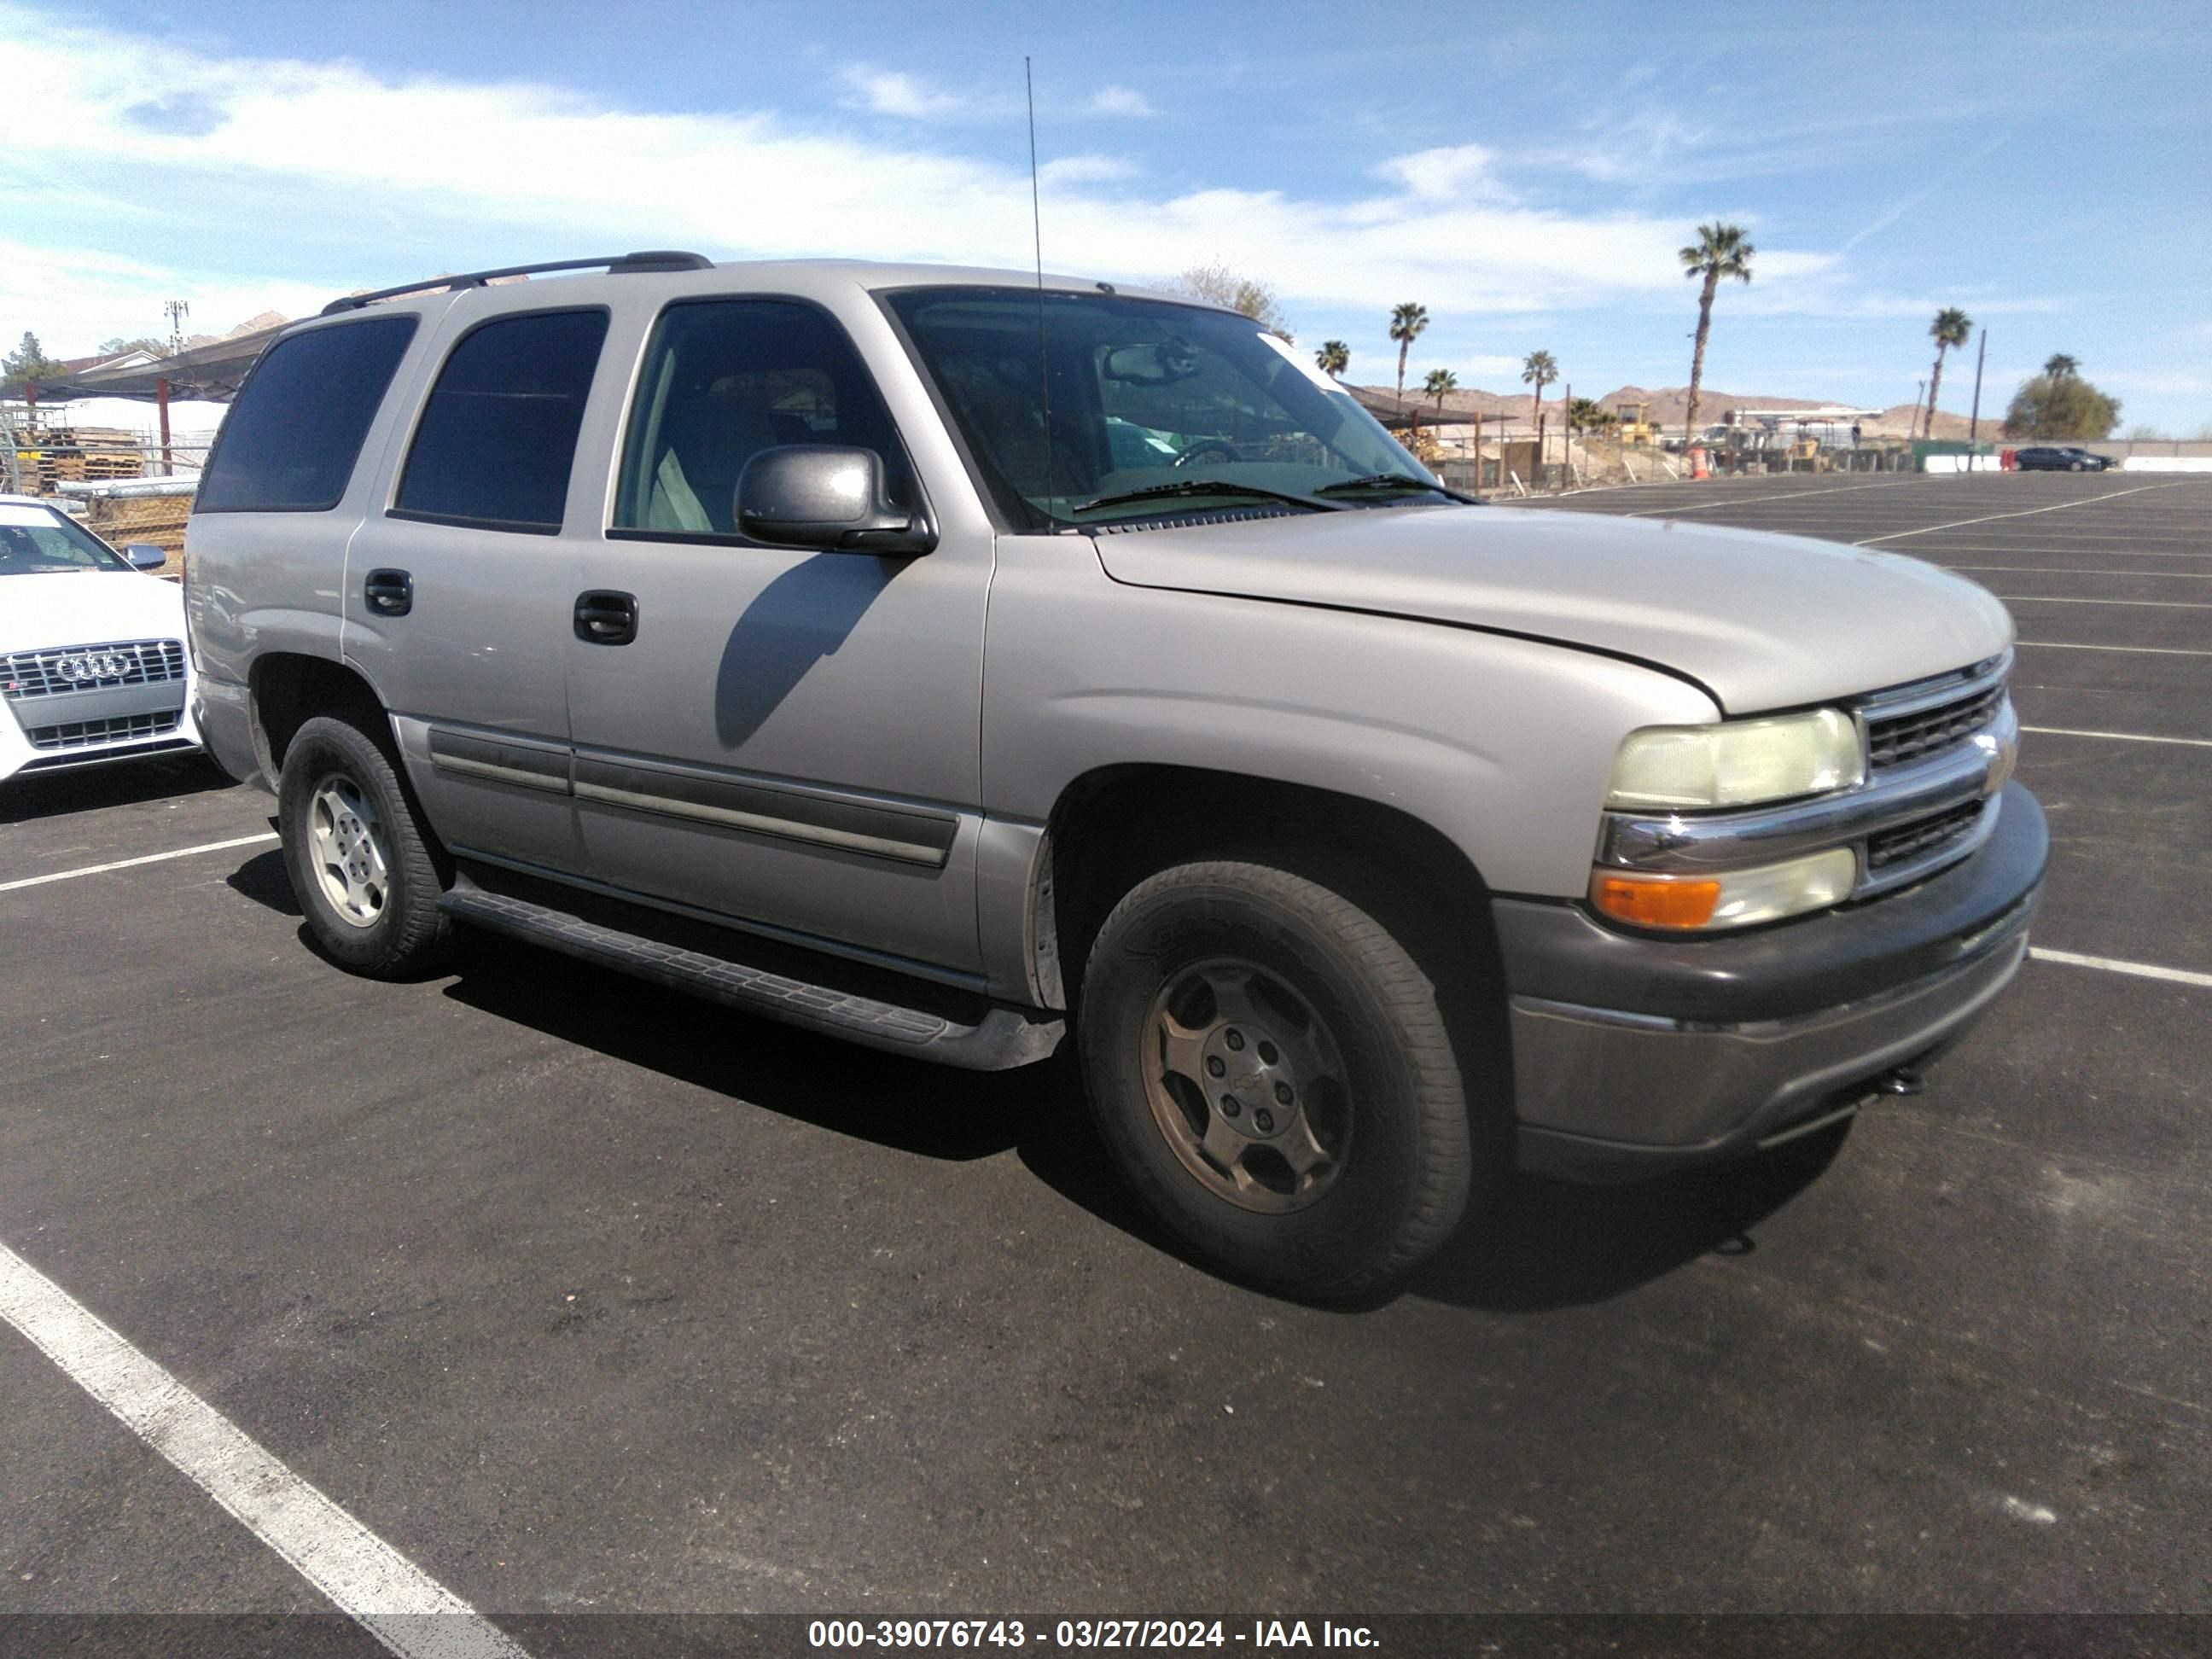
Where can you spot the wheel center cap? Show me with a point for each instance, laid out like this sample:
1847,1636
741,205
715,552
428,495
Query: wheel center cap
1256,1095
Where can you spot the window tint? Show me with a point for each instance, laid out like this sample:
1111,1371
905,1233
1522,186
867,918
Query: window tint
291,438
497,439
727,379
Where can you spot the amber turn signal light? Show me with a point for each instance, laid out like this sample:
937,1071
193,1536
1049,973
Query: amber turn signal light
1656,901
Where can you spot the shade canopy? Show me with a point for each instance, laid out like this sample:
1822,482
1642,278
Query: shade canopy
208,373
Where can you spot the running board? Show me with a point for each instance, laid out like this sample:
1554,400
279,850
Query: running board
1004,1038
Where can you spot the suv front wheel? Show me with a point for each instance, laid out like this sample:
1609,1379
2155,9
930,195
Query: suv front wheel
1274,1077
360,864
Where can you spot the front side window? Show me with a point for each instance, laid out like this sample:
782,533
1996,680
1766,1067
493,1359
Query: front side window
34,541
498,438
725,380
291,440
1141,395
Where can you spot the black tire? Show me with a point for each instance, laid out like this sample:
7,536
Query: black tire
2079,466
1409,1161
408,933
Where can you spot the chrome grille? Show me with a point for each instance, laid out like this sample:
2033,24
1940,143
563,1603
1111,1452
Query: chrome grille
51,671
1931,725
82,734
1921,838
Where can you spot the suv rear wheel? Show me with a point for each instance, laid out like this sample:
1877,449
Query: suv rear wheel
1272,1071
359,861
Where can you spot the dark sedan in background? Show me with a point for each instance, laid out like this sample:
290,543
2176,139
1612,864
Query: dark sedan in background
2057,459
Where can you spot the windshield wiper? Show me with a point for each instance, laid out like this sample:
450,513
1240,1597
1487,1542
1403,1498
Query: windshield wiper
1203,487
1375,481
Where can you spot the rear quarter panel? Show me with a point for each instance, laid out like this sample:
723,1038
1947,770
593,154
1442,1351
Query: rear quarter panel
262,582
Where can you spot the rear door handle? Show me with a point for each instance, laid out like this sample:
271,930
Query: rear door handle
603,617
389,592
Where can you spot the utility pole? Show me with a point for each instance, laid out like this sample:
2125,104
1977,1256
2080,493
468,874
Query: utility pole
1974,425
177,311
1919,403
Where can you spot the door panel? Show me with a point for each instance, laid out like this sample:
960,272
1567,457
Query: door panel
791,738
460,596
477,659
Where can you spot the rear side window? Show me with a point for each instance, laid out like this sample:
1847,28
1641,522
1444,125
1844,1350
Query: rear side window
293,436
497,443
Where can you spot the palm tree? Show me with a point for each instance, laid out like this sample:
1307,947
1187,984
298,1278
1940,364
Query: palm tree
1539,370
2060,367
1334,358
1720,251
1440,382
1588,415
1949,331
1405,321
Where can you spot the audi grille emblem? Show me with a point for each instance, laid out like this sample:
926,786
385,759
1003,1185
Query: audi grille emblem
83,667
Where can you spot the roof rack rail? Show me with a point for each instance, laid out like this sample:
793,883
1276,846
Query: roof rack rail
618,264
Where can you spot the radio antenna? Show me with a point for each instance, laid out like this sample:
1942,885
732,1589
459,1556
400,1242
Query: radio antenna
1037,234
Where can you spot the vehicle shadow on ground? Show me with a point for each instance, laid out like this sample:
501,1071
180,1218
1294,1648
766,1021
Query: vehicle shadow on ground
932,1111
1559,1244
58,794
262,879
1544,1244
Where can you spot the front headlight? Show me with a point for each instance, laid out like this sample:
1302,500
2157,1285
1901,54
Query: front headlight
1738,762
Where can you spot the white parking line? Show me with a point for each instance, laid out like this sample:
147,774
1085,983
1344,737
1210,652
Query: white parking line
125,864
391,1597
2024,513
2062,598
1745,500
2119,736
2113,965
2146,650
2022,552
2076,570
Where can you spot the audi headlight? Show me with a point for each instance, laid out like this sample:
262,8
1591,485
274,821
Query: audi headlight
1737,762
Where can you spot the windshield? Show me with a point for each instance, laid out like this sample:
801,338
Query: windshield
36,542
1145,395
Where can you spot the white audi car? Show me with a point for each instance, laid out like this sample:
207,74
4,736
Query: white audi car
92,666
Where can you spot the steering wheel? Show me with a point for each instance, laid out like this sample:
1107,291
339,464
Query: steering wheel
1220,446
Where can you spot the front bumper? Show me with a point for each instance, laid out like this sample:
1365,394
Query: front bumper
97,728
1632,1056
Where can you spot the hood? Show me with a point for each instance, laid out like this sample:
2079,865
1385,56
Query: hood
1761,620
87,607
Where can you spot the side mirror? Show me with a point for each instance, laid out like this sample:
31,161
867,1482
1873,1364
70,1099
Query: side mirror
825,497
144,555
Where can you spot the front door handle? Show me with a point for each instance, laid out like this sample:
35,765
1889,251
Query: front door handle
389,592
606,618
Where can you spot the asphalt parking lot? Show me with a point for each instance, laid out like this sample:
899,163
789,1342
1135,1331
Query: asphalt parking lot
581,1295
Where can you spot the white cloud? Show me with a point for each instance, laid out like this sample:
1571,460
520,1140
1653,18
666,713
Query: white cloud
892,92
525,168
76,298
1444,175
1086,169
1121,101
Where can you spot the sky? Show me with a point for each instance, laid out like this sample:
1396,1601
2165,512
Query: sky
1526,173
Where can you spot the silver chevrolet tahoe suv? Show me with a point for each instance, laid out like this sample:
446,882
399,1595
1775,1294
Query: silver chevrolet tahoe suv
935,658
